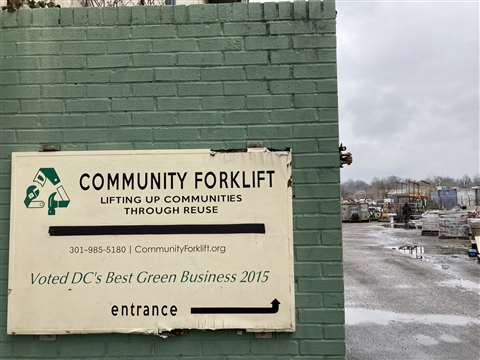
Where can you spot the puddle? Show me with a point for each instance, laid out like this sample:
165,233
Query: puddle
426,340
450,339
466,285
358,316
414,251
403,286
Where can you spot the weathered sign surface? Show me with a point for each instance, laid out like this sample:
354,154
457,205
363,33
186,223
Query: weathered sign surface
148,241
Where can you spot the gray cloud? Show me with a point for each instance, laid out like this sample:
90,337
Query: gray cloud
409,87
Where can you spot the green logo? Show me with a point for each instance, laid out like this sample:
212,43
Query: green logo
33,191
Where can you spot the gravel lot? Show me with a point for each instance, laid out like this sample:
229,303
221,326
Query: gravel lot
401,306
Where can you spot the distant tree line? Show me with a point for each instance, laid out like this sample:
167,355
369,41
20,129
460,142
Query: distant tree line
379,187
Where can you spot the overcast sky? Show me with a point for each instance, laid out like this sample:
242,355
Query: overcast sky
409,87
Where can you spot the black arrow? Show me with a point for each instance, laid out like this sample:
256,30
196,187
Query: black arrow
237,310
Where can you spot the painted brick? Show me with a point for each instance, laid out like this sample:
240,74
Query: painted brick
184,103
333,299
334,332
153,60
131,75
304,269
268,72
96,76
86,135
247,117
327,85
177,74
296,115
317,191
292,86
223,73
129,46
41,106
269,102
154,118
84,47
224,133
316,130
19,92
94,17
107,61
8,49
154,89
62,121
153,31
15,63
220,44
200,58
246,28
268,132
124,16
24,17
311,100
246,57
331,238
319,253
167,45
313,347
39,136
8,77
255,11
226,347
266,42
245,88
7,136
239,11
62,91
197,118
314,71
89,105
317,160
36,48
199,30
294,56
61,62
200,13
133,104
17,121
333,269
175,134
153,15
41,77
131,134
107,33
206,89
138,15
314,41
9,106
270,11
275,346
223,102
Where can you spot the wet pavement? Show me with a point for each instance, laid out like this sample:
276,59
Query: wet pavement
403,304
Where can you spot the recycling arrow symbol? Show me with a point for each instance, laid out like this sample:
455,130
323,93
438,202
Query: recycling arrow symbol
33,191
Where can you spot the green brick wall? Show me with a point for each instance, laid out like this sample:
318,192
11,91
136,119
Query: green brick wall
202,76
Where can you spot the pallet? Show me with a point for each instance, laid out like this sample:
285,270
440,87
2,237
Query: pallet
429,233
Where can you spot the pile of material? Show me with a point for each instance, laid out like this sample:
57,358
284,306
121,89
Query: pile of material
430,223
453,224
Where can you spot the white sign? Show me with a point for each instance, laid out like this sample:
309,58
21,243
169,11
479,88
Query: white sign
150,241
